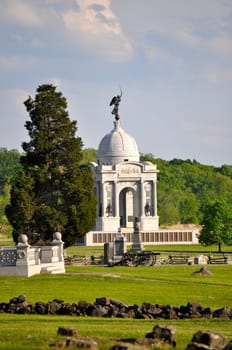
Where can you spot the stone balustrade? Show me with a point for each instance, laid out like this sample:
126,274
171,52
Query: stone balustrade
26,260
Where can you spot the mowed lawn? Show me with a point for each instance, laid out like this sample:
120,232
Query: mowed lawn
165,284
175,285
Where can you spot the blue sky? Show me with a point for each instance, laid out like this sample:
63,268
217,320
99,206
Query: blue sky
171,58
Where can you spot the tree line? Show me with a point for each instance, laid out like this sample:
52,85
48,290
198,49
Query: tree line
185,187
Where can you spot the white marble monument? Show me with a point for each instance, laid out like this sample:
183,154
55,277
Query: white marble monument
126,191
124,186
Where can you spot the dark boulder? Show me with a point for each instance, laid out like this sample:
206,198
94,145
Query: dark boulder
225,312
207,340
163,335
68,332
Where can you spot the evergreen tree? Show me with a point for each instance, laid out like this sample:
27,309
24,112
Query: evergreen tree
217,224
53,192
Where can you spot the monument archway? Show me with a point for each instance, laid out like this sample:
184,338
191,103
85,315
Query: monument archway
128,208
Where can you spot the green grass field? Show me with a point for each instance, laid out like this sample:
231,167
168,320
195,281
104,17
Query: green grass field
25,332
163,284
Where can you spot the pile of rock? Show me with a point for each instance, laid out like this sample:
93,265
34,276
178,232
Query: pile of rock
160,336
107,307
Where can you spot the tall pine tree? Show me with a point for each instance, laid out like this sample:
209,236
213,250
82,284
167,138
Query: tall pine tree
53,191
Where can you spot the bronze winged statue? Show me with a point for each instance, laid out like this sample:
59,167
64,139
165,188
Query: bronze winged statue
115,102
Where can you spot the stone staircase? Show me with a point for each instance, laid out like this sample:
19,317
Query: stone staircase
52,269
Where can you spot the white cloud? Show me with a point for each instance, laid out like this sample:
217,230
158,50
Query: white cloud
95,28
30,14
19,12
89,24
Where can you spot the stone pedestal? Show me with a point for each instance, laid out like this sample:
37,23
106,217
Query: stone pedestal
108,253
136,245
119,246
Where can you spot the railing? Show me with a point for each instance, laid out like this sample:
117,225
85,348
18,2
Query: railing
8,256
26,260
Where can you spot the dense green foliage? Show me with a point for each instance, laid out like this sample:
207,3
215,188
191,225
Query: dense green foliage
9,167
185,187
4,200
89,155
217,224
53,191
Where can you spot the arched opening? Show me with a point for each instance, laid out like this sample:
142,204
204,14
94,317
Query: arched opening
128,207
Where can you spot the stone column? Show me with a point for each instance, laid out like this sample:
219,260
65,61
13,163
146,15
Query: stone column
22,263
154,199
57,241
116,199
142,204
102,198
98,195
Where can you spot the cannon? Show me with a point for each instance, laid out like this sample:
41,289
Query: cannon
138,258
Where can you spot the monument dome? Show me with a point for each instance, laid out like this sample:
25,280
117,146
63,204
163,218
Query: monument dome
117,147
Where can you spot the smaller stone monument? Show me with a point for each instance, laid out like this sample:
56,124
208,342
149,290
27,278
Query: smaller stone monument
136,245
200,260
119,246
108,253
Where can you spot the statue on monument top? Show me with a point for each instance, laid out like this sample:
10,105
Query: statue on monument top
115,102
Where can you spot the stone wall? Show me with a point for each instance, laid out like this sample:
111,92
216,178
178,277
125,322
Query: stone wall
107,307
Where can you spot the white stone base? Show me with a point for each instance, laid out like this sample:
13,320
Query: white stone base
109,223
149,223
